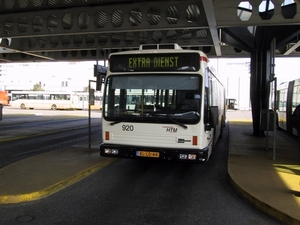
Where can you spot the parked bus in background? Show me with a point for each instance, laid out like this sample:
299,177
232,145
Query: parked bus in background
161,104
231,103
53,100
288,97
81,100
4,97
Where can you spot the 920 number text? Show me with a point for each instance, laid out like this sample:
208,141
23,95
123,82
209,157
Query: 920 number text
127,128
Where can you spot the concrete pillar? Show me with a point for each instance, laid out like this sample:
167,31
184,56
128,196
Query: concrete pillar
259,87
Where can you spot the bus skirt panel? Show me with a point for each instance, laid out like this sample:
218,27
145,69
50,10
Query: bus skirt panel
140,152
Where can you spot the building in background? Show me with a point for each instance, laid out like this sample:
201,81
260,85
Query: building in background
58,76
235,75
68,77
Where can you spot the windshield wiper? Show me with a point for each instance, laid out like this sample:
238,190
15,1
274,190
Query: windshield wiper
175,121
194,113
116,122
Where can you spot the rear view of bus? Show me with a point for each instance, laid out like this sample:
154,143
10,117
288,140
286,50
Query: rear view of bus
161,104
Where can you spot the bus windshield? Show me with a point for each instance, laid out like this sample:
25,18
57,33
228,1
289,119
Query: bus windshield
153,98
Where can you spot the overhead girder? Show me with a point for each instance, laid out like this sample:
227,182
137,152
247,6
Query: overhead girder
260,38
10,47
123,27
289,35
240,38
104,19
12,6
66,27
58,55
284,35
186,38
211,19
226,14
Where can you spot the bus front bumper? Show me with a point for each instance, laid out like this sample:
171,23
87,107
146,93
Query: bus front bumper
140,152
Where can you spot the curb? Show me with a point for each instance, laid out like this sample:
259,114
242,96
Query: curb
18,198
261,206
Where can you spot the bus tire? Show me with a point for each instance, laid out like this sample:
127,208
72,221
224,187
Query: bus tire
213,147
222,126
22,106
211,153
54,107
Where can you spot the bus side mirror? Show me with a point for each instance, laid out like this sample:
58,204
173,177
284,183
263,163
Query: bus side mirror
99,73
213,116
207,127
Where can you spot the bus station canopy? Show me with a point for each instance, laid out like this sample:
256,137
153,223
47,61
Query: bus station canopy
51,30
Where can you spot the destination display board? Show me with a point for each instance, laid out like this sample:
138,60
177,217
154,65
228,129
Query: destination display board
155,62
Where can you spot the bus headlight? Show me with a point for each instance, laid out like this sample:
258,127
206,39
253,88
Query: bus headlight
192,156
110,151
188,156
183,156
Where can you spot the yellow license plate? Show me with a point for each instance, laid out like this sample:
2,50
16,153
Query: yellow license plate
147,154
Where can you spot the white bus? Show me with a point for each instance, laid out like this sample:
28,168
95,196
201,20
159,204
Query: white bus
288,97
81,100
53,100
179,105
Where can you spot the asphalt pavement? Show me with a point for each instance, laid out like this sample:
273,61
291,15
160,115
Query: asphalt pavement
265,171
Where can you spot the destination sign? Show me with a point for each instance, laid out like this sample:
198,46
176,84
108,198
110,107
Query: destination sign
155,62
158,62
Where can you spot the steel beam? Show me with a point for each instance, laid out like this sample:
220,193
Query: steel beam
211,19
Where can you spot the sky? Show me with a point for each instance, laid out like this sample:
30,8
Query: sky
286,68
235,73
52,74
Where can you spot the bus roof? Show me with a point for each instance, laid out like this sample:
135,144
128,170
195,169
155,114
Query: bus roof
158,51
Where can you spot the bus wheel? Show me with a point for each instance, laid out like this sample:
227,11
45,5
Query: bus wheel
212,147
222,126
22,106
53,107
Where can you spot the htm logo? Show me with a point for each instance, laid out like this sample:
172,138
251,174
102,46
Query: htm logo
171,130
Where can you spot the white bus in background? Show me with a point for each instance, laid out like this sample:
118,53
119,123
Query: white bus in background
162,104
52,100
81,100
